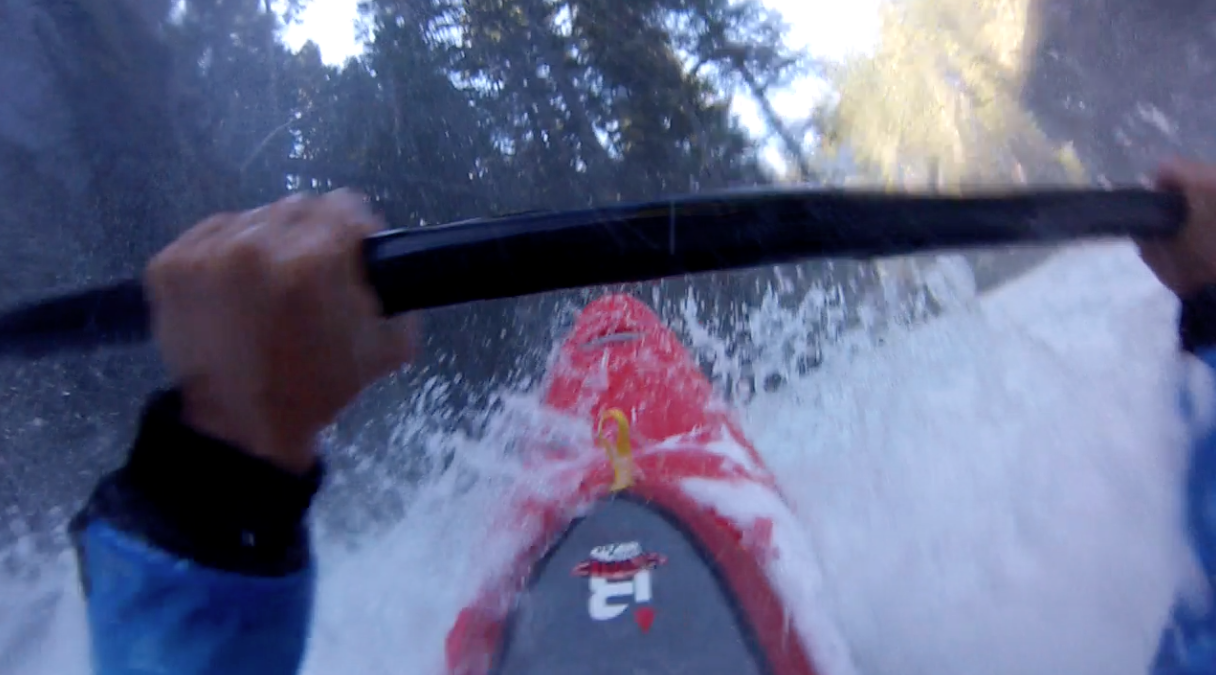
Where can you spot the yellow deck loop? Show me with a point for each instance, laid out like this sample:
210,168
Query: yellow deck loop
620,453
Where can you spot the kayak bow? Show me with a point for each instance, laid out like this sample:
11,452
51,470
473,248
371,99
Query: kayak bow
624,564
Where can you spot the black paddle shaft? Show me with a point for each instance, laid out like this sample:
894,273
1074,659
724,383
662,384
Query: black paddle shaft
541,251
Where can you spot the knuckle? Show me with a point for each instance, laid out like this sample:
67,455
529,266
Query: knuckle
291,209
168,265
213,222
346,198
351,210
246,251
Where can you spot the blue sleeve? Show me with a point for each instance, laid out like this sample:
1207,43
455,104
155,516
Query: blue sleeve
194,557
1188,643
152,612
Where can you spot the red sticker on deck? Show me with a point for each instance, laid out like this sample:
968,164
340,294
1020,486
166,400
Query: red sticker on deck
645,618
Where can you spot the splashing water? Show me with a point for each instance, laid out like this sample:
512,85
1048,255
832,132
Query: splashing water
995,490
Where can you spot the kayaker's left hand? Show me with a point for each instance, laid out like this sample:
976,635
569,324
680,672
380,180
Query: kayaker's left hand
268,324
1186,263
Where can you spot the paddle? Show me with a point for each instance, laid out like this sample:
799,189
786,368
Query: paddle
540,251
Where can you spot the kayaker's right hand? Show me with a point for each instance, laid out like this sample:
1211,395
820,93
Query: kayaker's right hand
1187,262
267,323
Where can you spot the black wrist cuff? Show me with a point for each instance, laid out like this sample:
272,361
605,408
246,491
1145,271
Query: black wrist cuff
205,500
1197,320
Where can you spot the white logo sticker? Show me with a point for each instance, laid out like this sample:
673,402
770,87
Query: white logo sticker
615,572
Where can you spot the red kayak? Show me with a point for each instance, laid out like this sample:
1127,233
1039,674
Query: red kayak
629,565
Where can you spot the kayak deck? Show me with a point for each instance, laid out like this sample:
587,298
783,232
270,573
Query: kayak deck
625,615
624,570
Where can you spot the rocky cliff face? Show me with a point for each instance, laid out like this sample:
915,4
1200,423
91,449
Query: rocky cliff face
1126,82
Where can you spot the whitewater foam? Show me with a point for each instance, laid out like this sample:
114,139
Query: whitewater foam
997,491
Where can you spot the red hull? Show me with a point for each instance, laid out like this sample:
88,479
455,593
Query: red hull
619,356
